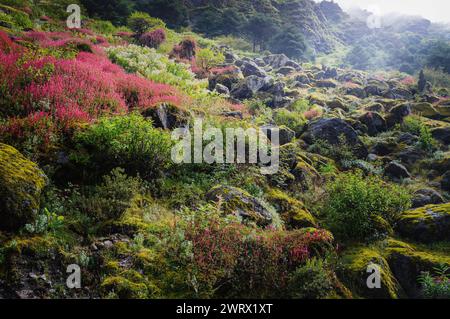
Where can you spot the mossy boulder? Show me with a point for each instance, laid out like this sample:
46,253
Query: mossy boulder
426,224
128,285
408,261
21,184
292,211
239,202
424,109
332,131
353,272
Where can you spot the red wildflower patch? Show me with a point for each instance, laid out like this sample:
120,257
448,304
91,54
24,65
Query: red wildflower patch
69,91
153,39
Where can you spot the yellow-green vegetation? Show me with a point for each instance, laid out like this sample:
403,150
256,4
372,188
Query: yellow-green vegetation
361,207
21,184
292,211
128,285
353,273
408,261
426,224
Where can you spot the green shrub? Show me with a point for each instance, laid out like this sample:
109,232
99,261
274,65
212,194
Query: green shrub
342,152
141,22
361,207
310,281
436,286
416,126
437,77
293,120
128,141
103,27
426,140
109,200
207,58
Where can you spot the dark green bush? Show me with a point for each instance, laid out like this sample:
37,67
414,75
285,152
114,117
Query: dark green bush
141,22
109,200
361,207
128,141
310,281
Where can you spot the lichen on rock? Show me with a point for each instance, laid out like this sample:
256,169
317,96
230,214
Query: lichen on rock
21,184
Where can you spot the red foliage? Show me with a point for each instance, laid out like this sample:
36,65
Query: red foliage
409,80
253,259
6,44
153,39
67,92
185,50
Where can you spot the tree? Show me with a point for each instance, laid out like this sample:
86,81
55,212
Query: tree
439,56
141,22
359,57
207,58
116,11
213,22
290,42
260,28
173,12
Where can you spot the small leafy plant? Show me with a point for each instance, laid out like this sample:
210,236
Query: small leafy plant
436,286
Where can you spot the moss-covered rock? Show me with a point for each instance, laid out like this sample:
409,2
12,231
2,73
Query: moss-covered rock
408,261
128,285
21,184
292,211
353,273
424,109
426,224
239,202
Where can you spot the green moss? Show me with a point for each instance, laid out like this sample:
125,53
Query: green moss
21,184
426,224
353,272
292,211
420,254
408,261
123,288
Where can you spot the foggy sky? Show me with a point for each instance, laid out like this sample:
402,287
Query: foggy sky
434,10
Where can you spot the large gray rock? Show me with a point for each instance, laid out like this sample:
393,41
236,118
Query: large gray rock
442,134
222,89
286,70
397,114
276,61
249,68
396,170
330,131
249,86
398,93
426,196
358,92
375,123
